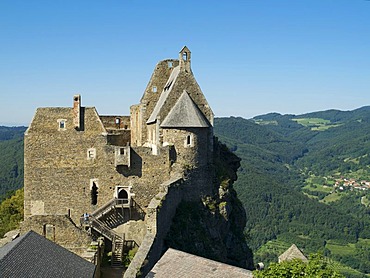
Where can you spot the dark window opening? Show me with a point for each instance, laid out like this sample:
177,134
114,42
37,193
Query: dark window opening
168,86
122,194
94,194
188,140
62,125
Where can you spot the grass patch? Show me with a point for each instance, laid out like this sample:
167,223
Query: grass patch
332,198
365,201
262,122
342,250
324,127
364,241
310,196
316,124
319,188
344,270
270,251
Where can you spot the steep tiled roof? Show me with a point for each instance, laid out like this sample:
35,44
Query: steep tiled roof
178,264
292,253
185,113
32,255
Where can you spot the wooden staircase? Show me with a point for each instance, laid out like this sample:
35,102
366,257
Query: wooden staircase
117,252
112,214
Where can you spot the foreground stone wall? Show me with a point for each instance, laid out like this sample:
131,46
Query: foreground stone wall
160,212
60,229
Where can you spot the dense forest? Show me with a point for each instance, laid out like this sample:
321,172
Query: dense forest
11,160
287,182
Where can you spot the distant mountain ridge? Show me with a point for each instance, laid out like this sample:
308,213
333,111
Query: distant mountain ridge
280,155
334,115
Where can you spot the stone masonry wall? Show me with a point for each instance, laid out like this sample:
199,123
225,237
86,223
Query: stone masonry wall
59,174
110,122
152,93
60,229
154,170
195,154
158,220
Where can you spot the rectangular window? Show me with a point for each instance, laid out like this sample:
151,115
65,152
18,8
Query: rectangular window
61,124
91,153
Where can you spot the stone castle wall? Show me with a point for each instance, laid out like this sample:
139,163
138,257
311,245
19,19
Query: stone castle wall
158,219
59,174
153,91
59,229
192,145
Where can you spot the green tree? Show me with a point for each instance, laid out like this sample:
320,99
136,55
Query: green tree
11,212
316,267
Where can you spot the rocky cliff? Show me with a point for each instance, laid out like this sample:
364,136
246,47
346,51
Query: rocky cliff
213,226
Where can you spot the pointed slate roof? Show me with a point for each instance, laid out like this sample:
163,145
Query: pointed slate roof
185,113
292,253
32,255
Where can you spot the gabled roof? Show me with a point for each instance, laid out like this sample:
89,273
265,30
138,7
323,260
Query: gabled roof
292,253
185,113
166,91
178,264
32,255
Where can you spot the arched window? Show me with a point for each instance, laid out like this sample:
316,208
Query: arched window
122,194
185,56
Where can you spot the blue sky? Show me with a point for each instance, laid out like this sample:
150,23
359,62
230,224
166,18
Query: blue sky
250,57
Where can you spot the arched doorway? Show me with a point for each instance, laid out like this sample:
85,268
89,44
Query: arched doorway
122,194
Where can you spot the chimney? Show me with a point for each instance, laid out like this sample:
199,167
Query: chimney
77,111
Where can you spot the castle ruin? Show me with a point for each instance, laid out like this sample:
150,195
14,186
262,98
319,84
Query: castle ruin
121,170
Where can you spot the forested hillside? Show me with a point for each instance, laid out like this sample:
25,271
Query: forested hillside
11,159
287,183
